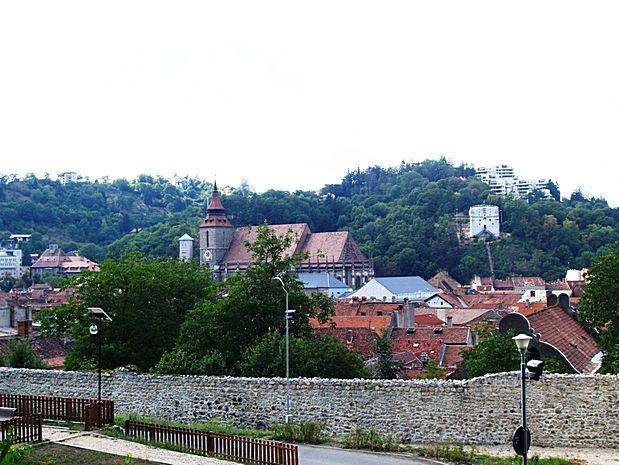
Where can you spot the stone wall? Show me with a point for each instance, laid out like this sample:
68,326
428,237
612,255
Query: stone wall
564,410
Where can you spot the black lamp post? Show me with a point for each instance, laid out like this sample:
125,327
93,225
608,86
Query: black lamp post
98,330
522,341
288,315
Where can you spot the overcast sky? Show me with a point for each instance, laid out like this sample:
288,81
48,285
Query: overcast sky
291,95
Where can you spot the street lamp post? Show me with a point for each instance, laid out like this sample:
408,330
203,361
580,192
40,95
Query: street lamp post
98,330
286,314
522,342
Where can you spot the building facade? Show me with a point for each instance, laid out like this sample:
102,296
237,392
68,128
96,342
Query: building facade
484,220
504,182
222,248
10,262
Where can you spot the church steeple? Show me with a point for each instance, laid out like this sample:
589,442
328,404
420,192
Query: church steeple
215,212
215,233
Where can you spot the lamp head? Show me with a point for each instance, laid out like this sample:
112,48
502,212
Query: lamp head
522,341
99,313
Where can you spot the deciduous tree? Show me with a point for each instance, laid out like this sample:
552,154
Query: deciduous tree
599,306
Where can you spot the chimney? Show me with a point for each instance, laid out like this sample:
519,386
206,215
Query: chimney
409,314
24,328
450,320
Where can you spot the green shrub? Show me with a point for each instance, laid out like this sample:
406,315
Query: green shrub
309,432
372,439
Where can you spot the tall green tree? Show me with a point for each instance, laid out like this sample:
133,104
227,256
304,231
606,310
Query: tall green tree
147,299
599,306
496,352
253,306
311,356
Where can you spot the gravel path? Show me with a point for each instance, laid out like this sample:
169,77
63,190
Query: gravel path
93,441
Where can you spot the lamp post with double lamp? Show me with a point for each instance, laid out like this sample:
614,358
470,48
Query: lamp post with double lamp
286,316
522,342
98,330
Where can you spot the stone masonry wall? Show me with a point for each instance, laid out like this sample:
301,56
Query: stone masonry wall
563,410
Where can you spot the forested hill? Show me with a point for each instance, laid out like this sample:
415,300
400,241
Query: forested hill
408,218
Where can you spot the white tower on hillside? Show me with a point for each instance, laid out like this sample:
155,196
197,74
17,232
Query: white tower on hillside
185,248
484,220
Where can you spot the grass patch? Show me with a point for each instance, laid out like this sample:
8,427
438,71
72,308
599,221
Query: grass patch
309,432
469,456
56,454
212,426
372,440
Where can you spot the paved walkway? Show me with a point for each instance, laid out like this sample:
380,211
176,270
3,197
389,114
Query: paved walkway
94,441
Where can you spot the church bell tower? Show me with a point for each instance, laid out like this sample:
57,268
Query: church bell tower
215,233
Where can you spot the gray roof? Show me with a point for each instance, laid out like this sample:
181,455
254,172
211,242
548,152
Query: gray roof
186,237
320,280
406,285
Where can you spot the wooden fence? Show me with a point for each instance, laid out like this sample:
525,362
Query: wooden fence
255,451
61,408
28,428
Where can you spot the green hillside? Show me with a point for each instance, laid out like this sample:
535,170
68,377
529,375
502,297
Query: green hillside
409,219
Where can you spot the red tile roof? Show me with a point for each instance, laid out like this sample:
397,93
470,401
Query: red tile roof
442,280
361,340
491,301
558,286
332,246
238,253
562,331
453,356
365,307
428,320
448,334
215,213
379,324
49,259
460,316
528,308
528,281
320,247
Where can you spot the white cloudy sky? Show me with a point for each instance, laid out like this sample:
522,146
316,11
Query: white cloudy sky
290,95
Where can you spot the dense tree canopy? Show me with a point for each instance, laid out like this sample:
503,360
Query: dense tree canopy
147,301
496,352
410,220
599,306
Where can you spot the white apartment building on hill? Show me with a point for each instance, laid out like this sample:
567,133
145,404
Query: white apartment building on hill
504,182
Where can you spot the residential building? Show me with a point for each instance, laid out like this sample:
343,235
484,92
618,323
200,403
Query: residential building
10,262
223,250
558,335
396,289
20,237
55,261
68,177
323,283
504,182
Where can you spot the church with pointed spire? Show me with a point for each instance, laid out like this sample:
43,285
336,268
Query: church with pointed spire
222,248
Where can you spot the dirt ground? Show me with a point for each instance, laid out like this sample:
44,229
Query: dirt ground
587,456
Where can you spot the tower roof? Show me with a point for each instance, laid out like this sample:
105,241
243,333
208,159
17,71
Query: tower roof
216,213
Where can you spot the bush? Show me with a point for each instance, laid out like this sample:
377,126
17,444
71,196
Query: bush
373,440
309,432
21,355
